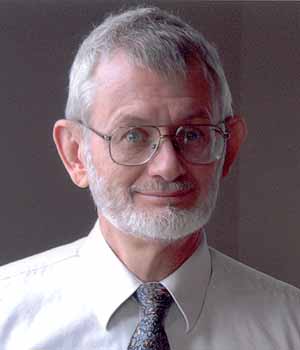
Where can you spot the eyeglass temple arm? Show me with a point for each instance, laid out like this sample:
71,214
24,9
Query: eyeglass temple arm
225,132
105,137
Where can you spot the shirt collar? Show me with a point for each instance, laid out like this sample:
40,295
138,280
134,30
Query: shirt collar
108,282
104,273
188,285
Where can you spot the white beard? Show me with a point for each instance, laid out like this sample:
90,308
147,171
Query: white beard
115,203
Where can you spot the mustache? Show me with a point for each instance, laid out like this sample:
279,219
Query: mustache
162,186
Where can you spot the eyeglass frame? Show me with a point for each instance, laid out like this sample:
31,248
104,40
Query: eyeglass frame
224,133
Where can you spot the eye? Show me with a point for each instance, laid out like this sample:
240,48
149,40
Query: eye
132,136
191,134
135,135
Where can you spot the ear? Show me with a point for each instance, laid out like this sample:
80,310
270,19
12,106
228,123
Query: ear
237,128
69,143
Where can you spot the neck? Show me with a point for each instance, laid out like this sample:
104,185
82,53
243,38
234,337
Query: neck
149,260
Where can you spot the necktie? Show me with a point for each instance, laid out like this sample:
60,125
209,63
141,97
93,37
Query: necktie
149,334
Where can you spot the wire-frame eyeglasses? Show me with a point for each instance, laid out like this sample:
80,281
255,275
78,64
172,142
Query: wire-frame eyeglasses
137,144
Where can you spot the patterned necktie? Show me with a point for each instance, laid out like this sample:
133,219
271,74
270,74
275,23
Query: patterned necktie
149,334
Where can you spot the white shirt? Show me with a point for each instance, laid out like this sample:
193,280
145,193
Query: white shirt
79,297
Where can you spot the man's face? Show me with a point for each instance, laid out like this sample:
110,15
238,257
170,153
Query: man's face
167,198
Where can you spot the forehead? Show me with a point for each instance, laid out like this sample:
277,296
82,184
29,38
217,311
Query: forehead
124,89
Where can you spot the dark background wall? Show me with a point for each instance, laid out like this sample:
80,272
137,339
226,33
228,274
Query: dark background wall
256,220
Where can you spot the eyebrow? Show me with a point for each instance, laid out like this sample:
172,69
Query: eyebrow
201,113
131,119
128,119
197,117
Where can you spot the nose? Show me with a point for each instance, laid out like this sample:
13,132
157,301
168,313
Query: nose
166,162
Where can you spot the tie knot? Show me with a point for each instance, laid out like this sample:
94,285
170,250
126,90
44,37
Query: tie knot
153,296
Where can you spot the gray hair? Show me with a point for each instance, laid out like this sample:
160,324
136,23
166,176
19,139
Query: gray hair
151,38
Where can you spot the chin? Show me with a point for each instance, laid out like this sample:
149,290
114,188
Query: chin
165,225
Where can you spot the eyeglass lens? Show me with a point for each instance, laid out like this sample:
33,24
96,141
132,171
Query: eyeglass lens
136,145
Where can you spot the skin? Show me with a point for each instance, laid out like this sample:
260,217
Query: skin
125,91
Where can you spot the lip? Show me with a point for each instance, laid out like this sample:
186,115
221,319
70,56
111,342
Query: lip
183,198
165,194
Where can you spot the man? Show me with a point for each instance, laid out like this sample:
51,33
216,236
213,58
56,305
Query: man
150,130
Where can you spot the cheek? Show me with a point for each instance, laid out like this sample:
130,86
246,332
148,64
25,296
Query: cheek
204,176
100,151
116,175
101,160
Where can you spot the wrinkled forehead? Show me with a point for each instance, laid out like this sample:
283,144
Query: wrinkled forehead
122,85
118,62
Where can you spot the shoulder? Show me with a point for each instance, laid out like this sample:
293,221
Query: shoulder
245,291
238,276
34,289
39,263
38,280
248,308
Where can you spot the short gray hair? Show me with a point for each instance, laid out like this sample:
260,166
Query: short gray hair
151,38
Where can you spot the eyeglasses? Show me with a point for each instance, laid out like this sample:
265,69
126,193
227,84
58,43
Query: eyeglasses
136,145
